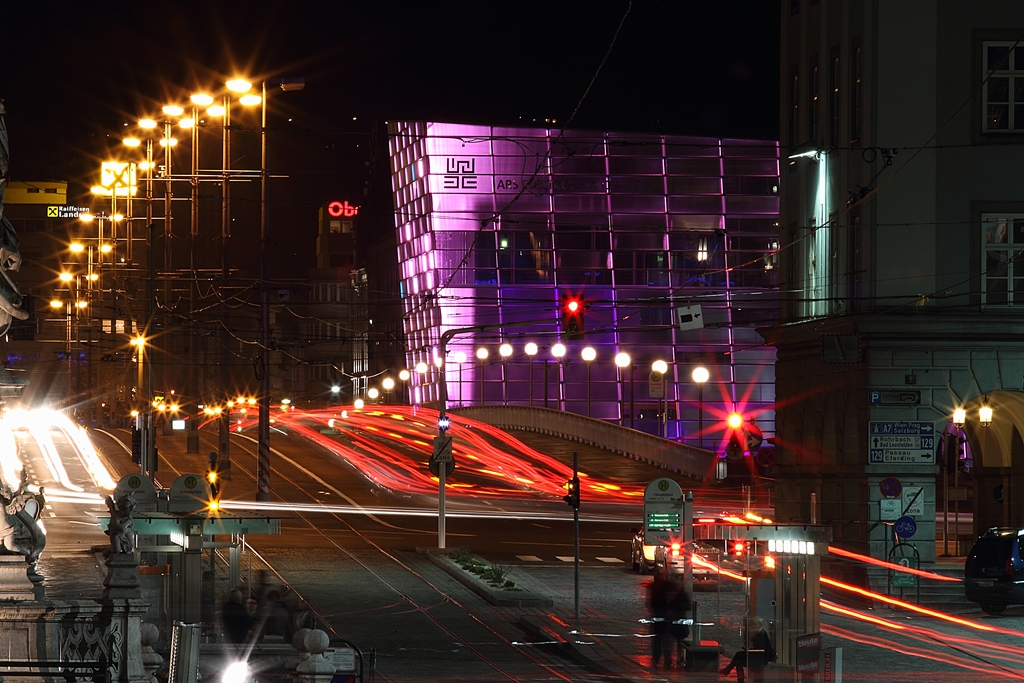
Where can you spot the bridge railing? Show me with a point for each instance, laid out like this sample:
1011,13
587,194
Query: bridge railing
675,457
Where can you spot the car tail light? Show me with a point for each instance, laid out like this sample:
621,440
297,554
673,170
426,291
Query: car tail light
1009,566
675,550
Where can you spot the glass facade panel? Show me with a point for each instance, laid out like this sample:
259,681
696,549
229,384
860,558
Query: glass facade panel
634,226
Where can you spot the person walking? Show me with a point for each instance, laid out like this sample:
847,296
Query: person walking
658,599
756,655
235,618
679,606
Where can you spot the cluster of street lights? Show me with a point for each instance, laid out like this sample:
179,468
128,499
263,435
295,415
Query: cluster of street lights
560,353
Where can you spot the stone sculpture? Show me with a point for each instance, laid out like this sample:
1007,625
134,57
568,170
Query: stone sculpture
122,528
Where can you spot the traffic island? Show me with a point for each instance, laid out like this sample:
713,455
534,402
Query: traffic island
510,589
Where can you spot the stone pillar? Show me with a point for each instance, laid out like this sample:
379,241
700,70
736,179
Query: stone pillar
18,579
298,642
315,669
151,661
122,579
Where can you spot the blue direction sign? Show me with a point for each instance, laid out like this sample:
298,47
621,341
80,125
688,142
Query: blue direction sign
905,527
910,443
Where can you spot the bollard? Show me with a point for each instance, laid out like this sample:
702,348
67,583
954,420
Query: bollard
299,643
149,634
315,669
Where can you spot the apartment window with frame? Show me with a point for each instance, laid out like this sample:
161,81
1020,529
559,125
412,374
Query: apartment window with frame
812,101
1002,259
855,95
1003,92
833,99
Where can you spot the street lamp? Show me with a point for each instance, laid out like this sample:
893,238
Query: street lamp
388,385
985,413
558,351
661,367
531,351
373,394
460,358
263,441
588,354
700,375
623,361
481,355
505,350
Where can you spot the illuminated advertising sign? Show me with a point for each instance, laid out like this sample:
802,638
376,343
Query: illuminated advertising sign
342,209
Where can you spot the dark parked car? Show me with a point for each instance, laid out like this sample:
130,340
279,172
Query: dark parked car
994,571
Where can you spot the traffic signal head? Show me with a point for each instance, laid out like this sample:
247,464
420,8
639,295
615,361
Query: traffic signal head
213,479
572,497
735,421
572,318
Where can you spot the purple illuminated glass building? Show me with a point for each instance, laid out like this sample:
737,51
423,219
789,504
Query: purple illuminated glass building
499,227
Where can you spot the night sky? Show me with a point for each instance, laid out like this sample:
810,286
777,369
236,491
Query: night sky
75,73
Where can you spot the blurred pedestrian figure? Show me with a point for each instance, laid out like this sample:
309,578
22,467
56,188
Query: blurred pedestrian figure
756,655
277,618
235,618
679,605
658,599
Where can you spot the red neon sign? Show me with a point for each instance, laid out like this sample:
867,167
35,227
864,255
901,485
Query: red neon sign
340,209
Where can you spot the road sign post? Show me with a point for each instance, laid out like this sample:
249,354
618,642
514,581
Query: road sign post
442,463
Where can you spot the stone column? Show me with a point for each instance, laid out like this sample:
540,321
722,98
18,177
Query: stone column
315,669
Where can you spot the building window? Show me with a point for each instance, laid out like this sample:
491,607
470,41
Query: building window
812,101
1003,91
1003,259
855,95
833,101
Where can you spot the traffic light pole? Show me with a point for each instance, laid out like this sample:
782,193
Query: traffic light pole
576,538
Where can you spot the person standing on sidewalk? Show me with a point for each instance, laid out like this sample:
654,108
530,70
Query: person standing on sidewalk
679,605
658,600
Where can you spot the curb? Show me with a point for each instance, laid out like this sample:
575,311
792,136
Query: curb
527,597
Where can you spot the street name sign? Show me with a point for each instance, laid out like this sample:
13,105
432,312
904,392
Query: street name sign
910,443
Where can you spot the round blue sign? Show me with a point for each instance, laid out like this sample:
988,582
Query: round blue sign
890,487
905,527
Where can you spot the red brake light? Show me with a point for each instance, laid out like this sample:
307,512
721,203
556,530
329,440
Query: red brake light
1009,566
738,547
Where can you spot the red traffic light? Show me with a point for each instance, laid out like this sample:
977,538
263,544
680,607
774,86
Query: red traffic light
735,421
572,305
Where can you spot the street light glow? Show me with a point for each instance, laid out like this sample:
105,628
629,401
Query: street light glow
239,85
959,417
558,350
588,354
66,277
460,357
164,142
335,389
187,123
250,100
216,111
373,393
700,375
482,353
388,384
531,349
173,110
202,99
659,366
77,247
421,368
622,359
131,142
358,404
147,124
404,375
985,413
505,350
56,303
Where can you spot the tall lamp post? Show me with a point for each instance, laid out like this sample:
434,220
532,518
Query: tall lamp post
558,351
481,355
460,358
263,436
588,354
661,367
622,361
531,351
505,350
404,375
700,375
